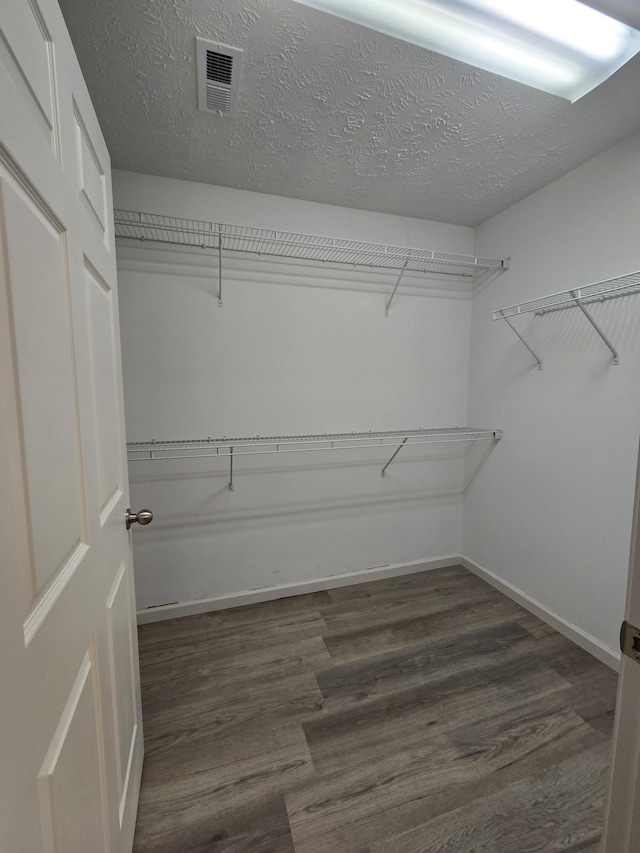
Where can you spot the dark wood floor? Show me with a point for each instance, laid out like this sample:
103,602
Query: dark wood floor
419,714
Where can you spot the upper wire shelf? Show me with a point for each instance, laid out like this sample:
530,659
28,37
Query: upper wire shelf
230,448
580,297
287,244
252,445
597,292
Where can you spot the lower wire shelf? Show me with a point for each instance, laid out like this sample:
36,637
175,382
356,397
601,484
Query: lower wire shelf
224,447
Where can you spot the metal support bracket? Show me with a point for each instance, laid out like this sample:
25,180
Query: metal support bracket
402,444
386,310
220,267
231,469
577,297
511,326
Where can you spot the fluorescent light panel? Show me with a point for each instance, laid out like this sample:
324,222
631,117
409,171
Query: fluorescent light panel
559,46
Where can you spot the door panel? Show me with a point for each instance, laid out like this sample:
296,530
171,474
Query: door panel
122,673
48,403
76,824
100,322
27,51
70,716
91,174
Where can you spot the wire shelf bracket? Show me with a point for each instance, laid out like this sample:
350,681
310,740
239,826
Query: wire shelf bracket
578,299
156,228
600,291
510,324
231,448
388,305
400,446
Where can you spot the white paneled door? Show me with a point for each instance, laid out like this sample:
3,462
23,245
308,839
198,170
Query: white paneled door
70,729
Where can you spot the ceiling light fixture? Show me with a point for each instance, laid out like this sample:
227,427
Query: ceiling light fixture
559,46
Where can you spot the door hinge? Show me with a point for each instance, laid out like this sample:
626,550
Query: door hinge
630,641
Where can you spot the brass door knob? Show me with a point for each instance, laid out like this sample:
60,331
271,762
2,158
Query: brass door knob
143,516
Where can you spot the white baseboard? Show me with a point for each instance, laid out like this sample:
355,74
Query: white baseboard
599,650
253,596
589,643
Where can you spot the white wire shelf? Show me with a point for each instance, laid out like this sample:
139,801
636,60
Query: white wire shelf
253,445
597,292
230,448
287,244
579,297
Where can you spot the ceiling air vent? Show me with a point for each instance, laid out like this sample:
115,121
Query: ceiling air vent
218,77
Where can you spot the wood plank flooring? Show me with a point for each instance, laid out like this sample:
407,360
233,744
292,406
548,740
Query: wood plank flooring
422,714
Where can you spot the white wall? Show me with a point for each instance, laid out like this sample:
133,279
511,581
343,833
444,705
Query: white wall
551,513
297,348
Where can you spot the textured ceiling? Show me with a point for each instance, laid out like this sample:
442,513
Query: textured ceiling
332,112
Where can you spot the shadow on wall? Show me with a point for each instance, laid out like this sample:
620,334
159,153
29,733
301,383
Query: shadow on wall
202,267
262,494
567,332
475,460
227,520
